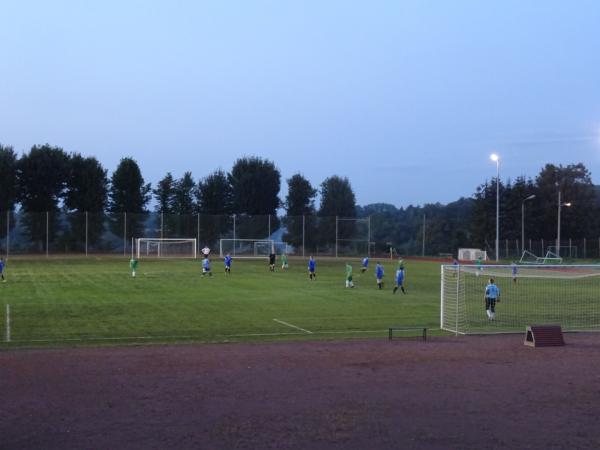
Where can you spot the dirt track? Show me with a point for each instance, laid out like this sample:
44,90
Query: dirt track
474,392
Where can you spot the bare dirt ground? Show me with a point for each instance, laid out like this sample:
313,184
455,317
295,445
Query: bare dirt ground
464,393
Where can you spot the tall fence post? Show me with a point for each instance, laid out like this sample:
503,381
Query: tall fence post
7,234
47,232
584,248
198,235
234,235
303,232
369,239
336,236
86,233
543,250
423,245
125,233
269,231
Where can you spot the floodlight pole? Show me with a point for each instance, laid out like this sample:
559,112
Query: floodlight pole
531,197
497,209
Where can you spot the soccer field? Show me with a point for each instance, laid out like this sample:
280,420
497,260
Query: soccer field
96,301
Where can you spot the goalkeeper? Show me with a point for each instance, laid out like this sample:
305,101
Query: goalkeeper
133,263
492,295
284,261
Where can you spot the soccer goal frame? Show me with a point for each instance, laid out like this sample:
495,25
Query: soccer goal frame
247,248
529,258
562,294
186,248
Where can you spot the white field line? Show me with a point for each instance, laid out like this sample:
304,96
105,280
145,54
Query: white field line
125,338
292,326
7,322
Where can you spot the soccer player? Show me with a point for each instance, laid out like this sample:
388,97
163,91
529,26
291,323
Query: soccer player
492,295
349,283
312,264
479,266
2,264
206,267
365,264
272,262
379,274
228,264
400,279
284,261
133,263
514,270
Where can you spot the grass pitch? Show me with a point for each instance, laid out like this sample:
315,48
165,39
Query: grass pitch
96,301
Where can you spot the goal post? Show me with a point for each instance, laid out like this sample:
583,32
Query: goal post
566,295
251,248
166,248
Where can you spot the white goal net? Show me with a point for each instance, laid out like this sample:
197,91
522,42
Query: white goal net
165,248
471,254
567,295
251,248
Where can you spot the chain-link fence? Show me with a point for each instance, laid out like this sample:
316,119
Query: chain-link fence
59,233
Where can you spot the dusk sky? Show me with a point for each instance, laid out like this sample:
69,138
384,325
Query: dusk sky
406,98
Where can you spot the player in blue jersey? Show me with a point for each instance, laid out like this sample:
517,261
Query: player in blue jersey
228,264
492,295
206,267
312,265
364,264
400,279
514,270
2,264
379,275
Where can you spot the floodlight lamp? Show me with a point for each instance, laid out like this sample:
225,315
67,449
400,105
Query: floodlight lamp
494,157
567,204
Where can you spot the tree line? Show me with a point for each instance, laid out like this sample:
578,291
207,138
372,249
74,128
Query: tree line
48,179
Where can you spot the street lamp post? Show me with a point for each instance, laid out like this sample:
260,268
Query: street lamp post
494,157
531,197
560,205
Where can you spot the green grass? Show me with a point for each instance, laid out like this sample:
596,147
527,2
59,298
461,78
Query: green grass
55,302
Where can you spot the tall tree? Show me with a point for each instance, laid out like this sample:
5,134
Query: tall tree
183,206
42,178
214,202
8,187
575,185
8,178
183,200
87,192
164,194
255,186
299,202
128,194
337,200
